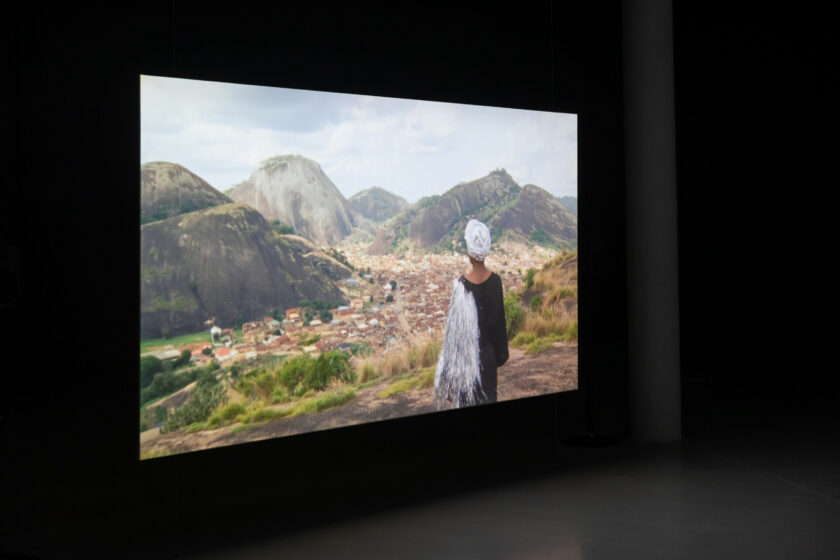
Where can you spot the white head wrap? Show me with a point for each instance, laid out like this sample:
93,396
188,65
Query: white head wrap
477,236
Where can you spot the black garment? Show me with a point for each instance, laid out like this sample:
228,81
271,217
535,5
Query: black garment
492,332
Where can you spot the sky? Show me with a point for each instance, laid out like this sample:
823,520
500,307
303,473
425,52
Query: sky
221,132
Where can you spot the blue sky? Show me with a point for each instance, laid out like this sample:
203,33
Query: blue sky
223,131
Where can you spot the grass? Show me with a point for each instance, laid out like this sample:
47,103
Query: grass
154,453
260,413
195,427
241,428
318,404
370,383
541,344
424,380
182,340
523,339
402,361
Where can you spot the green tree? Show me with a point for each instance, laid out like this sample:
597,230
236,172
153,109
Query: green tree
393,285
326,316
149,366
183,359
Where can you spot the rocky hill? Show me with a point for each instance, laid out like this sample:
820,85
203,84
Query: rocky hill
168,189
539,217
295,191
225,262
569,202
437,223
479,199
376,204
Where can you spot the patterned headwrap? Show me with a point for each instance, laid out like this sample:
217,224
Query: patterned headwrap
477,236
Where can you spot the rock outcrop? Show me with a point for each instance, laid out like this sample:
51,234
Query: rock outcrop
296,192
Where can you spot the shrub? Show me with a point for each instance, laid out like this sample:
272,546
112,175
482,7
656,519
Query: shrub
303,373
183,359
514,314
535,303
149,366
529,278
225,415
280,395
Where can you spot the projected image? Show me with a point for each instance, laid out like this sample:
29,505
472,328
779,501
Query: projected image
313,260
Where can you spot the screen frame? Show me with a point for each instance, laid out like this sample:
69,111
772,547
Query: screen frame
561,426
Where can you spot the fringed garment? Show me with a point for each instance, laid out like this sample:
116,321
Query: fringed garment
474,344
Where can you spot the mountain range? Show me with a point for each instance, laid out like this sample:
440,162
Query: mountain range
436,223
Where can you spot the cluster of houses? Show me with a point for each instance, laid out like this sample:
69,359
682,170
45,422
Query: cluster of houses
419,289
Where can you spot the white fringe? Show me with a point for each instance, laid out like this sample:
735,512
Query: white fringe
458,372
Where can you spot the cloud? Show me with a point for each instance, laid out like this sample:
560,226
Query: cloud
414,148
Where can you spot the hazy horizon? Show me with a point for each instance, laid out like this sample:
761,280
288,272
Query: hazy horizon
411,148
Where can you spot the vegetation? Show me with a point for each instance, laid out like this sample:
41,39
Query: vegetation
424,380
551,313
167,382
514,314
225,415
340,257
296,376
208,395
149,366
403,361
282,229
540,237
362,350
529,278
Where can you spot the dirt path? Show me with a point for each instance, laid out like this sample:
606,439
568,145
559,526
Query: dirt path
551,371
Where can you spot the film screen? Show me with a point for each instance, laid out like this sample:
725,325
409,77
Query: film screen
313,260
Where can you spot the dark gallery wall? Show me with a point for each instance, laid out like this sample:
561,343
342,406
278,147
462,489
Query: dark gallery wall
756,226
69,450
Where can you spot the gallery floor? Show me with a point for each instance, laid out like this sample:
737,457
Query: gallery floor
766,489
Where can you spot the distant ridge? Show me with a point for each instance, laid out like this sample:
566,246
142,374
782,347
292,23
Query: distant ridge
436,223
